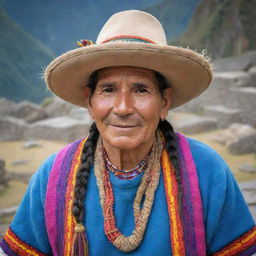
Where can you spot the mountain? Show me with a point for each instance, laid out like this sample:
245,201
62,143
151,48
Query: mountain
29,28
174,15
22,59
223,27
59,26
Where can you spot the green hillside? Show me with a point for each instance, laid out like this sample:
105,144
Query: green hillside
58,24
223,27
21,61
174,15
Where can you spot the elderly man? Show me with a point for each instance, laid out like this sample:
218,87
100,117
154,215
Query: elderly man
133,186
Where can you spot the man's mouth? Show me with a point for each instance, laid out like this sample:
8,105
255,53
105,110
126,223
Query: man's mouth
123,125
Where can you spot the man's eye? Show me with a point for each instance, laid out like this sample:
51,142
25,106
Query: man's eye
141,90
108,89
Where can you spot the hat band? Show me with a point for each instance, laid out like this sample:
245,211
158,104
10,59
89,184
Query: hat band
128,38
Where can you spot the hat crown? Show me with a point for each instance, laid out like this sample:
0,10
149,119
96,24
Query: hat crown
133,24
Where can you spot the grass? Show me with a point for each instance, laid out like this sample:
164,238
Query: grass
13,150
13,194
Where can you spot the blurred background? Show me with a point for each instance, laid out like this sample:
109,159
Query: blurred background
35,124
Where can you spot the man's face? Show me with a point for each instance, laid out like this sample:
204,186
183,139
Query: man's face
126,107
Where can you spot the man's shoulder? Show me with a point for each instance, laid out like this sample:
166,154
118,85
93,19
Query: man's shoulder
207,160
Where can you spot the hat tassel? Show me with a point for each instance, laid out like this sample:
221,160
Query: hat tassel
80,242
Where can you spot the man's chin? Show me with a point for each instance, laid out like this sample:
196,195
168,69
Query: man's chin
124,142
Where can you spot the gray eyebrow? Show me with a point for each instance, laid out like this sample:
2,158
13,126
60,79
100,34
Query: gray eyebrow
139,84
105,85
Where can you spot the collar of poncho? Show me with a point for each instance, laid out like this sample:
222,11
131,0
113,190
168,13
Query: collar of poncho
187,234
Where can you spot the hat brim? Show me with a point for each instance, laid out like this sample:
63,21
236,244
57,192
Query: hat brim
188,72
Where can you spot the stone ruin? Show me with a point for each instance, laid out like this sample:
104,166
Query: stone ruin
58,120
230,99
3,177
231,96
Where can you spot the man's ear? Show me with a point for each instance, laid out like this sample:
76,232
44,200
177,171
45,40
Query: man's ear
167,101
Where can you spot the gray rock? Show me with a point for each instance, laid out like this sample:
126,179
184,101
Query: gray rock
3,178
36,116
252,74
59,107
59,128
252,69
232,132
250,197
19,176
248,189
218,92
224,115
246,143
247,168
2,188
12,128
20,162
6,107
31,144
8,211
233,78
80,114
29,111
240,63
193,123
248,185
244,99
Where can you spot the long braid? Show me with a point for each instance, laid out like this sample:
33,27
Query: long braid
87,160
172,150
171,140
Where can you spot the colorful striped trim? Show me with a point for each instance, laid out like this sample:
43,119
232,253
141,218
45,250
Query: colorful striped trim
171,191
128,38
192,209
69,218
13,246
60,221
243,246
187,232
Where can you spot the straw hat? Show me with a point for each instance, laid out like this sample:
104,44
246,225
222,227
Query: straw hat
130,38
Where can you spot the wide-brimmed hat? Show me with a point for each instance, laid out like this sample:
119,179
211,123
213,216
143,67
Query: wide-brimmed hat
130,38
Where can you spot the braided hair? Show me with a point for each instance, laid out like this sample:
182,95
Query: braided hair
171,139
171,147
87,158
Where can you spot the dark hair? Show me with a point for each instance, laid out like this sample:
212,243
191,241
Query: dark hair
87,159
93,79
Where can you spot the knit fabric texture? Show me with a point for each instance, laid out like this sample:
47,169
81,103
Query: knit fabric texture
224,231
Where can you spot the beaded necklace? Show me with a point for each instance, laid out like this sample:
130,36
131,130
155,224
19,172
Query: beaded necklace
125,174
147,188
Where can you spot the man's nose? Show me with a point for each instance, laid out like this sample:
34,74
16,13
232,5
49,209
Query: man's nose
123,103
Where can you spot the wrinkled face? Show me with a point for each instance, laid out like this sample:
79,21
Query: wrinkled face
127,105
